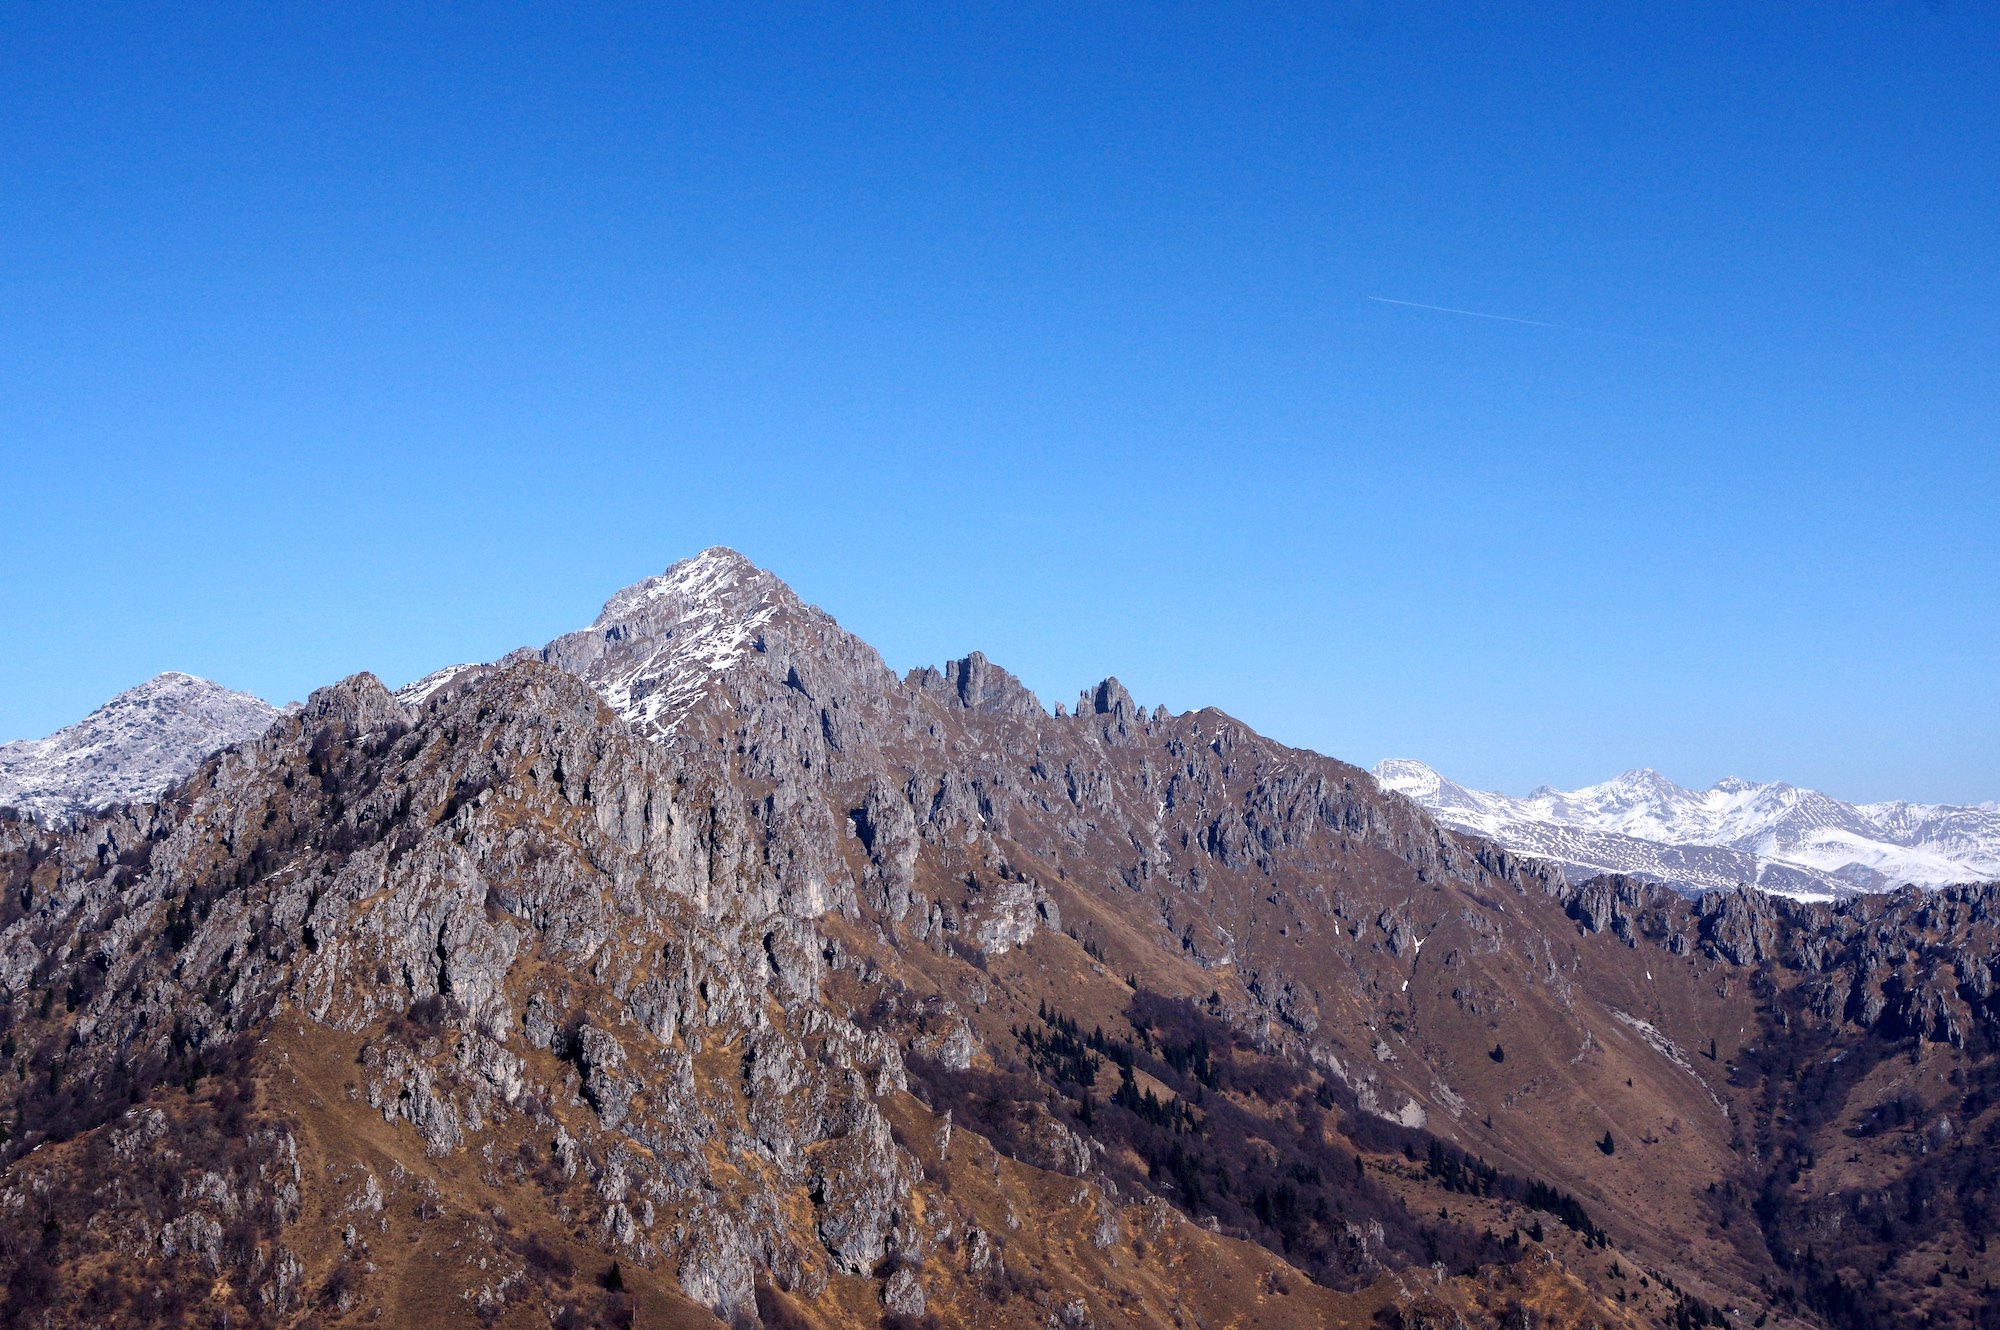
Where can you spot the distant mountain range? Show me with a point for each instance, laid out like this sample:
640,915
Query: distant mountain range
132,747
1776,836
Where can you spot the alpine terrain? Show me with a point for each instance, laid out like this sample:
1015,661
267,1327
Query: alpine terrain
1775,836
695,969
132,747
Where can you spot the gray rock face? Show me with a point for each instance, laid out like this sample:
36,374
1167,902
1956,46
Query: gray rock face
1009,916
131,748
904,1293
396,890
605,1083
860,1184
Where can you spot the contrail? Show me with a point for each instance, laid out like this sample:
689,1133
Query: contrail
1473,313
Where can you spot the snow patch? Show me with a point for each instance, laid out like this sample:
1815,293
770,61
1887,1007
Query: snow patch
419,692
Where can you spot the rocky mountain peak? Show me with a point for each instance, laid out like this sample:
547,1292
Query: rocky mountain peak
716,585
1111,699
980,685
131,748
660,645
358,704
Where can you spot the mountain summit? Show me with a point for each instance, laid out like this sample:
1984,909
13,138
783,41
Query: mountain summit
662,645
1776,836
132,747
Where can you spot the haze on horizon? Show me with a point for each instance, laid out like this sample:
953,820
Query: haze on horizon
1535,392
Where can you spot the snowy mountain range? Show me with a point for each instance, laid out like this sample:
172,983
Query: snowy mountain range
132,747
1776,836
654,651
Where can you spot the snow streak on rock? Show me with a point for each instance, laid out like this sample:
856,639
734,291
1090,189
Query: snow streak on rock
417,693
1668,1049
659,646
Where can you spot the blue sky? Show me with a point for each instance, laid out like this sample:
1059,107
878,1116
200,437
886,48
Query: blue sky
401,335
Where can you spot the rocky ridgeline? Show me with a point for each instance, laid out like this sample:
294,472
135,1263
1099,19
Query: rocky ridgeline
785,982
1909,963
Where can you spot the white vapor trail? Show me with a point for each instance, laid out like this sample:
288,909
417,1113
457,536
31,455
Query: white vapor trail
1473,313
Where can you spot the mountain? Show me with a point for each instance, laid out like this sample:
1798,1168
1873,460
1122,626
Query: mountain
1775,836
695,969
132,747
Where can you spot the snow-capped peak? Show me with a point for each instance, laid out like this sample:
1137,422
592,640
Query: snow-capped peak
659,645
1775,834
708,577
1408,776
133,747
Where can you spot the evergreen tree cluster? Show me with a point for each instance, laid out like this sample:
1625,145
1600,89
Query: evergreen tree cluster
1058,1051
1541,1196
1174,1114
1457,1171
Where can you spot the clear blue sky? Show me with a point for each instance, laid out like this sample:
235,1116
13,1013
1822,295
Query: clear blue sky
379,337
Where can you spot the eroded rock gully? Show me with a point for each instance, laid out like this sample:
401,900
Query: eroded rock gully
696,967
